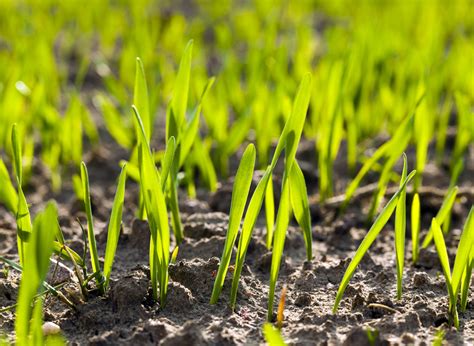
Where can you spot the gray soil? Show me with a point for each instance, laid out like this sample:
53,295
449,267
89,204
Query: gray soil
128,315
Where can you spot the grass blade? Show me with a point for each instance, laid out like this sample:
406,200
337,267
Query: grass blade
444,260
8,195
400,229
300,206
155,205
415,227
291,133
467,275
35,270
115,224
240,192
90,227
180,93
282,221
167,161
255,205
272,335
140,98
23,218
269,212
373,232
463,258
442,214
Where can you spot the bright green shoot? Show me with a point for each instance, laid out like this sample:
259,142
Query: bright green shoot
36,266
400,229
272,335
462,256
23,219
293,175
467,274
250,219
289,141
374,231
442,214
240,192
415,227
115,225
90,230
155,205
8,195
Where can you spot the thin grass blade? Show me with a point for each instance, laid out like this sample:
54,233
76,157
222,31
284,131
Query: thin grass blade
240,192
300,206
400,228
442,214
372,234
115,224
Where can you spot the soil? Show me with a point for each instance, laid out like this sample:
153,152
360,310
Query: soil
128,315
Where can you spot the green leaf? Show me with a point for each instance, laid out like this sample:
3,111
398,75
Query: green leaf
442,214
8,195
36,266
240,192
300,206
272,335
114,123
192,129
282,221
372,234
90,226
269,211
140,98
179,102
291,133
115,224
17,156
157,213
444,260
388,147
253,209
415,227
167,161
467,274
466,244
400,229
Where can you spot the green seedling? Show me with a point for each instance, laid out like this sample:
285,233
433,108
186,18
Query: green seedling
288,141
240,191
467,274
23,219
151,187
115,224
28,320
8,194
400,229
372,234
442,214
90,229
272,335
415,227
461,263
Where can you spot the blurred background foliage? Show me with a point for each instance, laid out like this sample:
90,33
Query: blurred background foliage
67,67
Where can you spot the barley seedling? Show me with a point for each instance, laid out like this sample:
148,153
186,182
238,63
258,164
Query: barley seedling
372,234
461,263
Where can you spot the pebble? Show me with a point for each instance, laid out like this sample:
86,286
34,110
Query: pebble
50,328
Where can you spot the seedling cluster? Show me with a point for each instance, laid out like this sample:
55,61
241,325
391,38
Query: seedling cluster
278,83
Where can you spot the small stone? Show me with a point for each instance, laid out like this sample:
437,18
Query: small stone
303,299
421,279
50,328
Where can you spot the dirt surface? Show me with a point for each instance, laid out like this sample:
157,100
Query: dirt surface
128,315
